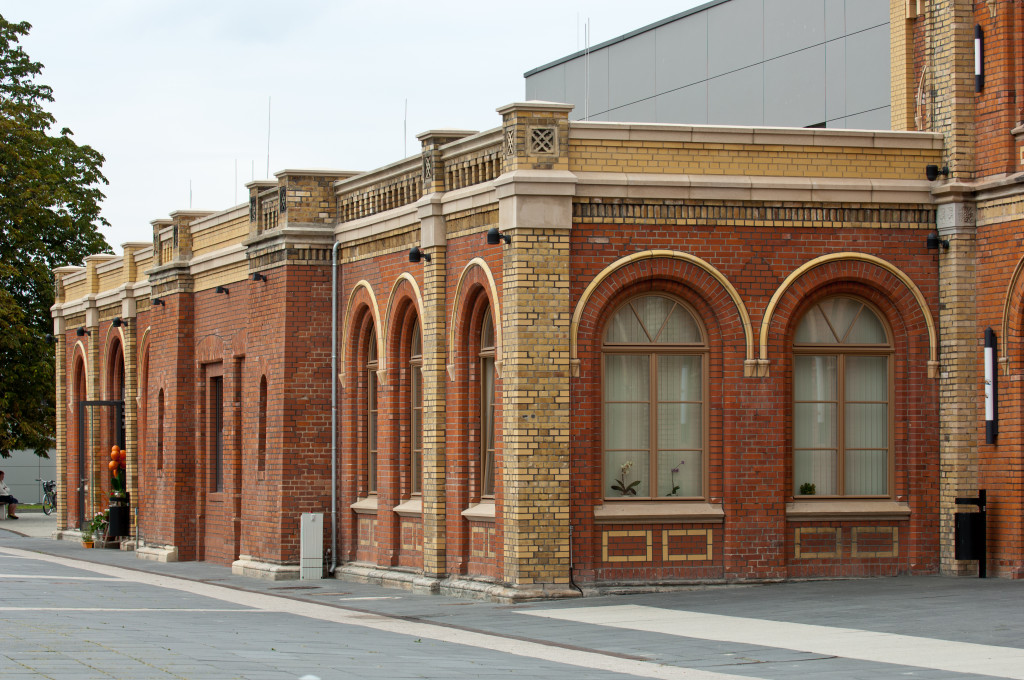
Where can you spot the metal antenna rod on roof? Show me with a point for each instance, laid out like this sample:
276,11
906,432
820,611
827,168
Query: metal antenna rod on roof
268,137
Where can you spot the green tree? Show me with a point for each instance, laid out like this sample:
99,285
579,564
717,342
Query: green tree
49,217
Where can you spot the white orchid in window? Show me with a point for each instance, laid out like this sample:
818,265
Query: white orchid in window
620,484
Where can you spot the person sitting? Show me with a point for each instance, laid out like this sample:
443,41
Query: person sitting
6,497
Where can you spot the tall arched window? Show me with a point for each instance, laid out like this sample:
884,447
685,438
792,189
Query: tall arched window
655,355
261,444
160,430
655,362
416,411
371,415
487,405
842,396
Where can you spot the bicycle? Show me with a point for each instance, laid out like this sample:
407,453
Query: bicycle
49,496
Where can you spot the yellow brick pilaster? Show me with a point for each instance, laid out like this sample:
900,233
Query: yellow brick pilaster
435,380
902,14
959,341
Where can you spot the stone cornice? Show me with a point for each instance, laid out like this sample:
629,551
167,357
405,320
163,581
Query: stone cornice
292,235
751,188
736,134
536,183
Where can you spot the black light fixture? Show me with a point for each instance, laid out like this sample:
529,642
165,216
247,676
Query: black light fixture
158,301
81,332
934,242
415,255
50,339
119,322
494,237
979,53
222,289
256,276
932,172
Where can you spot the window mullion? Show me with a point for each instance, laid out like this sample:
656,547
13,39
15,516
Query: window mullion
841,424
652,410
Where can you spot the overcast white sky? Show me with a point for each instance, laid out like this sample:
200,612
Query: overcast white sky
174,92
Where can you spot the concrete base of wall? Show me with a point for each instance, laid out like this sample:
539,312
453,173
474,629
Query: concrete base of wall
155,553
453,586
249,566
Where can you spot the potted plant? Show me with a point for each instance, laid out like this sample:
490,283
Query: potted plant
97,526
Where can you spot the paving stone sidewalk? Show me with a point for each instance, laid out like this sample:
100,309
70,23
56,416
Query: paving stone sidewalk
210,623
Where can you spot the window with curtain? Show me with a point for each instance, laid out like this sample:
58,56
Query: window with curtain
371,414
487,405
842,414
654,416
416,411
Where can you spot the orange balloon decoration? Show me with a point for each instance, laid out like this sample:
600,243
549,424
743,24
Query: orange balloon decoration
112,465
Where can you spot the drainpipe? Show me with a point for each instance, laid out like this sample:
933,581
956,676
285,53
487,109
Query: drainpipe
334,408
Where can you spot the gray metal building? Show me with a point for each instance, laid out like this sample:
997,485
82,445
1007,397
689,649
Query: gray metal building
794,63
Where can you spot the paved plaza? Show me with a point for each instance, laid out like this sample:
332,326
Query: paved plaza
68,612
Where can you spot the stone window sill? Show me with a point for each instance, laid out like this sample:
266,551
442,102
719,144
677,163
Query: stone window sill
622,512
410,508
839,509
365,506
481,512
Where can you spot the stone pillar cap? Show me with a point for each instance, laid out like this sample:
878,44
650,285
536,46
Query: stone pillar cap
535,106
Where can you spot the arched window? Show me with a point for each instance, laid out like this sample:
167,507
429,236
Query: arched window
261,447
842,396
655,363
487,405
160,430
416,411
371,415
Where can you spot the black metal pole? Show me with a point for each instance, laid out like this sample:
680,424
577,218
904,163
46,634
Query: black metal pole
982,496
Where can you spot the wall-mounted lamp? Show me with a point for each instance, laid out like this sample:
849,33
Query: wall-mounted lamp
81,332
979,72
158,301
494,237
50,339
934,242
222,289
256,276
932,172
415,255
119,322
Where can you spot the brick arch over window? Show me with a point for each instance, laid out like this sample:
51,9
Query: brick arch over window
404,317
671,265
362,323
476,275
404,292
114,364
913,436
210,350
361,296
873,272
1012,339
79,362
725,337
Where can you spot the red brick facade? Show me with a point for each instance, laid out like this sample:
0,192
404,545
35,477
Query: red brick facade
234,362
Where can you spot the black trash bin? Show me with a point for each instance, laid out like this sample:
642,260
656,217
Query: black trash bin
969,531
119,520
969,535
